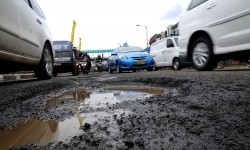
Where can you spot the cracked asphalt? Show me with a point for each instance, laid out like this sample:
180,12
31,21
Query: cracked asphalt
198,110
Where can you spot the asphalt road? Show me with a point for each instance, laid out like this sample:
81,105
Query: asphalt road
195,110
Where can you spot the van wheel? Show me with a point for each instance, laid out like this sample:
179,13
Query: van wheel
176,64
45,68
154,67
202,54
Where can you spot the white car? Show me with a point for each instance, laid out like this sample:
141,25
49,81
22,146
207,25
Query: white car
212,30
25,38
165,53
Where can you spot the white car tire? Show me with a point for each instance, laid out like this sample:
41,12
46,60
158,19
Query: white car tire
45,68
202,54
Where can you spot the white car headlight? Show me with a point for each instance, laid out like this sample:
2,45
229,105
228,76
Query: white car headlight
123,57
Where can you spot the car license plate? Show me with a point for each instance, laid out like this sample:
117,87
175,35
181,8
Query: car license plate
140,63
57,64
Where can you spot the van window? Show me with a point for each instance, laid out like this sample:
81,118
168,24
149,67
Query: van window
176,41
170,43
195,3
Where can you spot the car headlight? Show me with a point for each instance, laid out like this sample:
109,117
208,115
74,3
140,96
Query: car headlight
123,57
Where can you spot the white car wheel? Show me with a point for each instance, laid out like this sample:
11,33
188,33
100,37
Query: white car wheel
45,69
202,54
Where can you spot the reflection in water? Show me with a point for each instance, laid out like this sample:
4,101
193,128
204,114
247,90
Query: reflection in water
104,98
33,131
130,95
146,90
39,132
76,94
44,132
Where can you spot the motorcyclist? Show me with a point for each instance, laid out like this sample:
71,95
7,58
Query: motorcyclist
87,58
98,61
80,57
76,53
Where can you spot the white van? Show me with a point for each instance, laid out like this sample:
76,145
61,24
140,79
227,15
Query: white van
165,53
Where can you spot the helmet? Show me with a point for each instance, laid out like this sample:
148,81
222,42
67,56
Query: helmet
74,48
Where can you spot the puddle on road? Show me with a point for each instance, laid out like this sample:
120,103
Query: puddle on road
43,132
75,94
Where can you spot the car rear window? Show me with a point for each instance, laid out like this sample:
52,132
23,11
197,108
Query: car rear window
62,47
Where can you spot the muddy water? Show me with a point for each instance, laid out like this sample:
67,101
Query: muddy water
43,132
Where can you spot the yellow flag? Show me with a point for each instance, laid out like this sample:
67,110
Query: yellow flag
80,43
73,32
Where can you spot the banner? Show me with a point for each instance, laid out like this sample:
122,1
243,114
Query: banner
80,43
73,32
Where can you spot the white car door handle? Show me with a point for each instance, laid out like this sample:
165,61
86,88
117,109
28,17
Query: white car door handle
38,21
211,6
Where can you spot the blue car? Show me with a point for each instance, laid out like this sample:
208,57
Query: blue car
130,58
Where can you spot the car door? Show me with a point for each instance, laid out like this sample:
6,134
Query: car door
31,28
169,52
229,22
9,29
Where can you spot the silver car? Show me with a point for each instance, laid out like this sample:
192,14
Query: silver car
25,38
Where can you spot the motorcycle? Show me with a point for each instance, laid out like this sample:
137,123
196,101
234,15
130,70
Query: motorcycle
99,67
85,67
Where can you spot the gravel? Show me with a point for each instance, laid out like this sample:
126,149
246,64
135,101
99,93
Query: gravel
201,110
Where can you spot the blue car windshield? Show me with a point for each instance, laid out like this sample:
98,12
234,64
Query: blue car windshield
129,49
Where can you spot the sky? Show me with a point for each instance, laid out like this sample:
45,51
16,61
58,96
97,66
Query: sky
106,24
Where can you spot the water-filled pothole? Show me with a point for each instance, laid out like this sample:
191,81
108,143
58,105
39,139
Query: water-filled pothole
43,132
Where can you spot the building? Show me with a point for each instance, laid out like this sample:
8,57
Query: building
175,29
169,30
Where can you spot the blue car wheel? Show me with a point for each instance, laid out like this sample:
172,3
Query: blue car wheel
150,69
119,69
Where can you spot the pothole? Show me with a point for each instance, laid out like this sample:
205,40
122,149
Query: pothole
44,132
